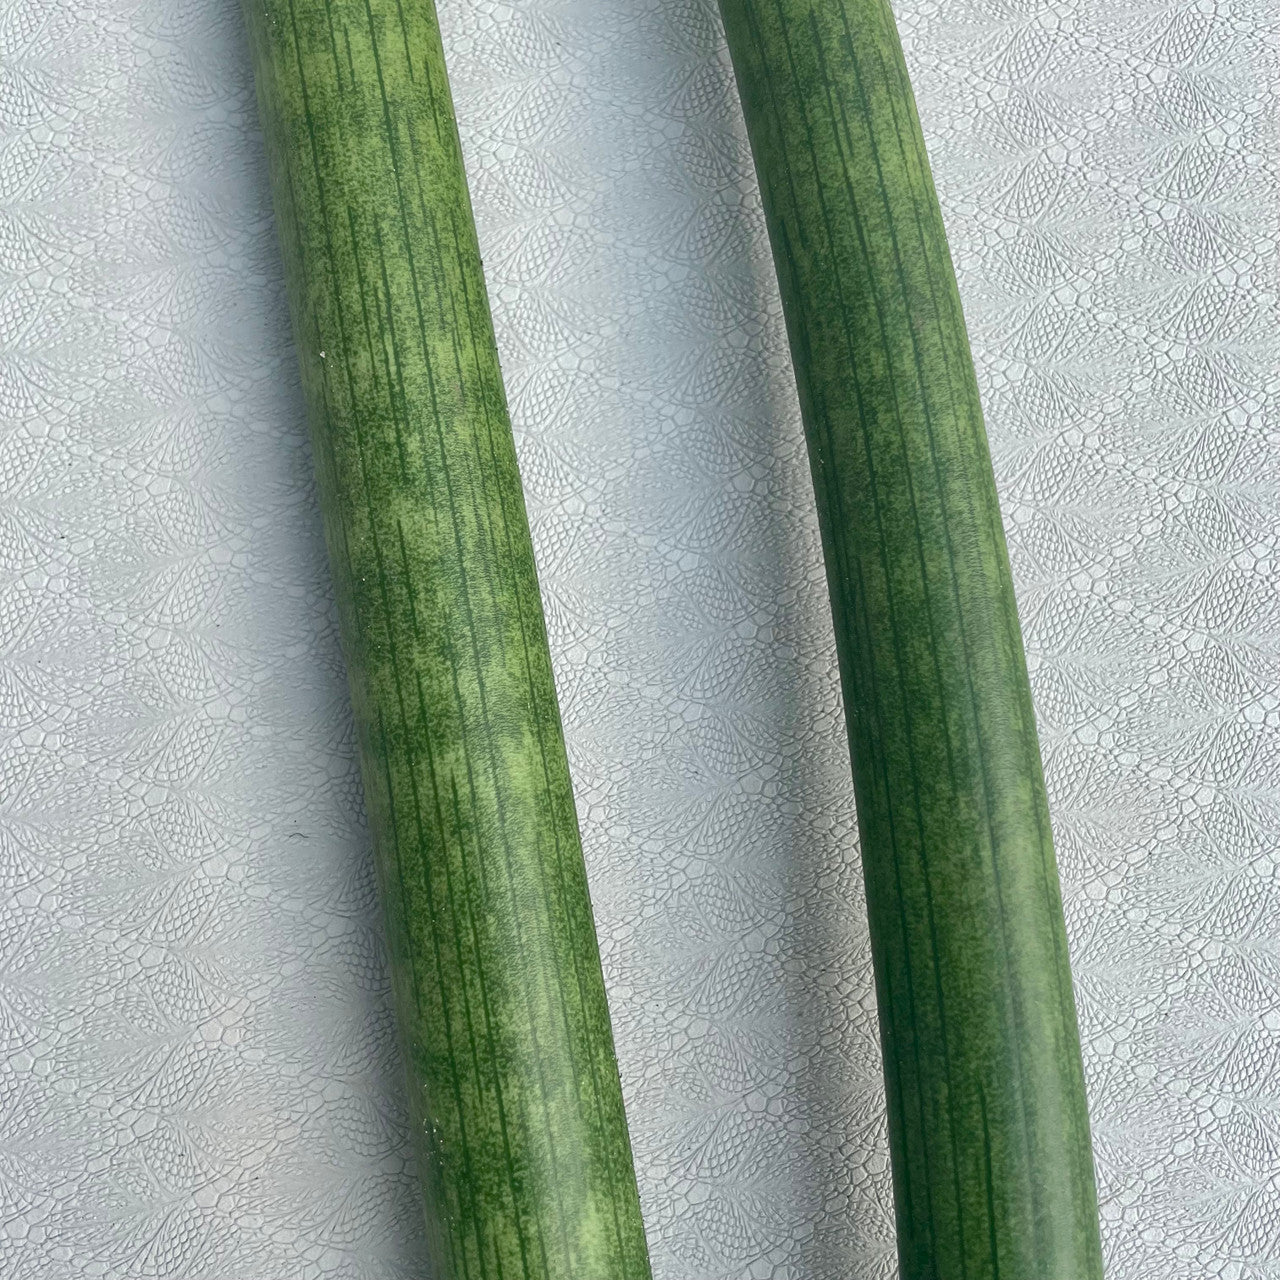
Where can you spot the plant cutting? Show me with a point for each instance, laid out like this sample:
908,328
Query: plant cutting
514,1086
989,1132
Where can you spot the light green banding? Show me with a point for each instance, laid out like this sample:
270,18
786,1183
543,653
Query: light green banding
514,1085
989,1132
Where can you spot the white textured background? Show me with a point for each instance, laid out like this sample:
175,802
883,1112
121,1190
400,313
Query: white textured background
198,1073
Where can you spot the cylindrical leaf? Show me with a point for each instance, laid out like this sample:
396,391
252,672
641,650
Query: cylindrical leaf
989,1133
513,1081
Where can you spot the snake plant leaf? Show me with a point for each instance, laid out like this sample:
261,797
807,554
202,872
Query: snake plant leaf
513,1081
989,1132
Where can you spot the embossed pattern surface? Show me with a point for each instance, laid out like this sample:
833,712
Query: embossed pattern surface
198,1071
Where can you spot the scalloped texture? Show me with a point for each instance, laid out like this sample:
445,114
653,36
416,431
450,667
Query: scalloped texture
198,1071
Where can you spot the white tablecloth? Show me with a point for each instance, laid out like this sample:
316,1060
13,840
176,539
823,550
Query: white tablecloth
199,1078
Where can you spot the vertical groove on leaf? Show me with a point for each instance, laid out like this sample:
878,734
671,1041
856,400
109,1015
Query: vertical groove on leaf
514,1085
989,1133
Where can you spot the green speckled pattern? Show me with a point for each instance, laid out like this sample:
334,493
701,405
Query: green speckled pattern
514,1084
989,1132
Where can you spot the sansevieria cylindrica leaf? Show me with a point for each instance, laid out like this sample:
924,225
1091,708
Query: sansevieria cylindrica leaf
989,1132
513,1081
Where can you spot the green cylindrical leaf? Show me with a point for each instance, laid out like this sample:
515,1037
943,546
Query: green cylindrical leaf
514,1084
989,1133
